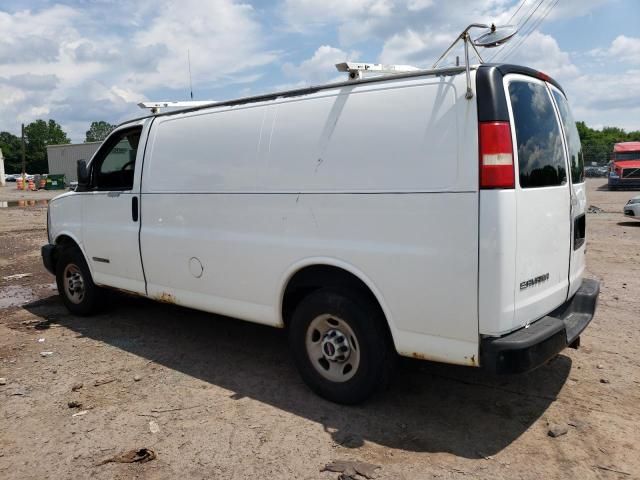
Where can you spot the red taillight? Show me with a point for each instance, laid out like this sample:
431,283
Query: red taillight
496,155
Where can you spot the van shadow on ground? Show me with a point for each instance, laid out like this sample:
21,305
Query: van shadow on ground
428,408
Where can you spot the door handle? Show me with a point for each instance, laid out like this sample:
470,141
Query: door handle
134,208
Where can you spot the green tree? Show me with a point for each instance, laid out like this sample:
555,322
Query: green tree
38,135
10,145
597,145
98,131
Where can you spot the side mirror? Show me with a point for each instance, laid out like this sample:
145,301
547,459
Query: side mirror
83,176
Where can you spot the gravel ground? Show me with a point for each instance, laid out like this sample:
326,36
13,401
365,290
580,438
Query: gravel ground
219,398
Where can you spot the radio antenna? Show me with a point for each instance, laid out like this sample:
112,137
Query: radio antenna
190,83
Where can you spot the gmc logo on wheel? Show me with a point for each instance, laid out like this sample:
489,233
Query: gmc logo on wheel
534,281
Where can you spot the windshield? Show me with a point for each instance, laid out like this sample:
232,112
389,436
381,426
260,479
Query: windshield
625,156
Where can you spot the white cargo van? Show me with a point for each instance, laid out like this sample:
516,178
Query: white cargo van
392,215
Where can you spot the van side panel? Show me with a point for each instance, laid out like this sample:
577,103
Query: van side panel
375,177
497,271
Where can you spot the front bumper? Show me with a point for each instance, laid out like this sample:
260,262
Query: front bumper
48,252
621,182
533,346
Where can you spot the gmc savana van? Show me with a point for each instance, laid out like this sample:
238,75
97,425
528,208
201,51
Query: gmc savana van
390,215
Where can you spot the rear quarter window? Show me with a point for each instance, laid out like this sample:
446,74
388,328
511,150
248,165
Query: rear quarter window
539,141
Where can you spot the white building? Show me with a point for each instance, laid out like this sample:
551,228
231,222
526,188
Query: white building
64,158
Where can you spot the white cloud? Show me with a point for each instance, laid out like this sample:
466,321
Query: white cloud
98,61
304,13
539,51
320,67
412,47
417,5
222,36
622,49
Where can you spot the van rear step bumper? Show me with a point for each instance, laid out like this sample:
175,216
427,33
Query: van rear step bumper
531,347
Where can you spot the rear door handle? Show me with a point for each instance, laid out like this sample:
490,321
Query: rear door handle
134,208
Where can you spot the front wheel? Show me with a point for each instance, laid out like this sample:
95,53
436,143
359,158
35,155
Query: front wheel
75,285
341,345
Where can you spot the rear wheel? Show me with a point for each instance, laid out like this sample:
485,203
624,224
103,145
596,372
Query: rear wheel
75,285
341,346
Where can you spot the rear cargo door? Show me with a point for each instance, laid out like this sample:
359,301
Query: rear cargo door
543,200
578,190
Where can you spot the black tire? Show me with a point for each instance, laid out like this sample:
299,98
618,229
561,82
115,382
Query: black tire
70,262
376,355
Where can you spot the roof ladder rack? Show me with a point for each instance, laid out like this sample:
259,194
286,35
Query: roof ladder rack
492,37
356,70
156,106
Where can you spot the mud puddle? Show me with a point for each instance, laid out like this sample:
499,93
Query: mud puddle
23,203
15,296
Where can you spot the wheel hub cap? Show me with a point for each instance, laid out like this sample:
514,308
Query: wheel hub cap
73,283
335,346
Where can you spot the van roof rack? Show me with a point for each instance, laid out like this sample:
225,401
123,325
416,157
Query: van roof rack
491,37
156,106
356,70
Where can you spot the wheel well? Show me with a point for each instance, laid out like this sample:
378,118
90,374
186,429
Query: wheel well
66,241
63,241
314,277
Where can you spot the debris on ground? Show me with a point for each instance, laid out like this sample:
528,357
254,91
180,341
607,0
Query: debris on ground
76,387
3,381
81,413
594,209
557,430
137,378
577,424
609,469
139,455
351,468
16,276
604,380
103,381
43,325
74,404
46,354
41,340
153,427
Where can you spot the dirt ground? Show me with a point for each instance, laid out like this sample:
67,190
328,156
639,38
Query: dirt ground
218,398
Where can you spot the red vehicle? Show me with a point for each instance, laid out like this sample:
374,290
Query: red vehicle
624,168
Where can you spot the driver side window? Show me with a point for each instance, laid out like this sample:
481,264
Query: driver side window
115,167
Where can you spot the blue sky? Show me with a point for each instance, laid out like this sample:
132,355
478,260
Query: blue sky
78,61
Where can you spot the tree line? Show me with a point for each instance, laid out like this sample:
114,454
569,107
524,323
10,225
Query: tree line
596,144
37,135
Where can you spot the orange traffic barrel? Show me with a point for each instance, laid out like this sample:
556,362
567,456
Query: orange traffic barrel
19,183
43,182
32,185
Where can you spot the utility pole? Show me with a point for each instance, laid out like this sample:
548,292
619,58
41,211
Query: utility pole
24,161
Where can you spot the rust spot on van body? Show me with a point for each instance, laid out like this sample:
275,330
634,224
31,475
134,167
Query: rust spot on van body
165,297
419,356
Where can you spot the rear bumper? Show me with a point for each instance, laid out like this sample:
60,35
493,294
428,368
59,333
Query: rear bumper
531,347
47,252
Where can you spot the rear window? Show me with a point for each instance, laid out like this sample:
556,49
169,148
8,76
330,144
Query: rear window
539,142
573,138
